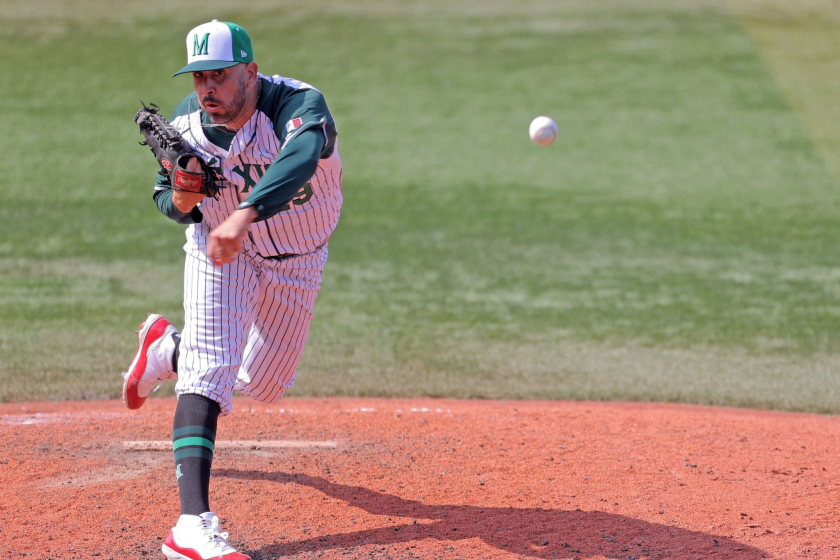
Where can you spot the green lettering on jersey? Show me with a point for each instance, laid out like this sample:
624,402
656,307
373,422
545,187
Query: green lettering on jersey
245,173
200,48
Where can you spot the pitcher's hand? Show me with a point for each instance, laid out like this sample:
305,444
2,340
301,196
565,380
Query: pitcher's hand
225,242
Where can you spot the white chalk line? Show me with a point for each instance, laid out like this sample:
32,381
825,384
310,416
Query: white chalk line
235,444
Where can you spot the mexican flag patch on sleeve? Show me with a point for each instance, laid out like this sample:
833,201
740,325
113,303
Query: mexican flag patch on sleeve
293,125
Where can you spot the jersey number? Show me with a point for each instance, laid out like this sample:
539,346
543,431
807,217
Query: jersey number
302,197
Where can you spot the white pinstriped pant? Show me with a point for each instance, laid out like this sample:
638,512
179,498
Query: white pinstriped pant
245,323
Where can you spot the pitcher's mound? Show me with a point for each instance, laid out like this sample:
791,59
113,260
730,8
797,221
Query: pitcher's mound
408,479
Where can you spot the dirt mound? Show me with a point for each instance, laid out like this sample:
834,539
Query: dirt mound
431,479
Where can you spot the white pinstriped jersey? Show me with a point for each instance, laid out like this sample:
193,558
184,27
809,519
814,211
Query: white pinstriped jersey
307,222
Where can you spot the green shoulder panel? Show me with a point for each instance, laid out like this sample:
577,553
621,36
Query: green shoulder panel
293,110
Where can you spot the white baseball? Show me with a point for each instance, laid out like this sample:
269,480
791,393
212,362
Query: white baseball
543,130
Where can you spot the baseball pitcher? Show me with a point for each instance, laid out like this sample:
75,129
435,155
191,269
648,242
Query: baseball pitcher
250,163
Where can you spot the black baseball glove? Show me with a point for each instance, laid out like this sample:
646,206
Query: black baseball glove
173,153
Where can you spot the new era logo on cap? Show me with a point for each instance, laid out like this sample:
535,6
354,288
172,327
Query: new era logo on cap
215,45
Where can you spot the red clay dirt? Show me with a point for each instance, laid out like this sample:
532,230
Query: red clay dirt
432,479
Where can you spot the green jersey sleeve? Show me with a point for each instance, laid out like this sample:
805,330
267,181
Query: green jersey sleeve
303,110
163,199
292,169
307,134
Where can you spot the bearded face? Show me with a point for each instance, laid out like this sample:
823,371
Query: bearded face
222,93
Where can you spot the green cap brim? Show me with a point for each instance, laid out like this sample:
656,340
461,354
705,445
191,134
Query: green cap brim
201,66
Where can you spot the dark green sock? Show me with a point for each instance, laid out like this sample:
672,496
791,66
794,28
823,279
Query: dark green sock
193,440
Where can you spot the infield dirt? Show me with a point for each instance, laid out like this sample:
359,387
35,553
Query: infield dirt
432,479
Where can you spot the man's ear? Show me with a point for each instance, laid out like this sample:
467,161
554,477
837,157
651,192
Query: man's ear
251,70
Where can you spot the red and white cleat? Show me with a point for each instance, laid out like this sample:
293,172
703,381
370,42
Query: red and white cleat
199,537
152,364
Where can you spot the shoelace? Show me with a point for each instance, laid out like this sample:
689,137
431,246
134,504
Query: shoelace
218,539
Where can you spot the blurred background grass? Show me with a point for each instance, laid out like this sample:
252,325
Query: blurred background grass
678,242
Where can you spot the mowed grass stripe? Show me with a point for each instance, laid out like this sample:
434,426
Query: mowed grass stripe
801,42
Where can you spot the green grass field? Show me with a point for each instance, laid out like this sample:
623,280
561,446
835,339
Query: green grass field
678,242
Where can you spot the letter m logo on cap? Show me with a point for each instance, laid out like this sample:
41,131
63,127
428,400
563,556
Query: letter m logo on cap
216,45
200,48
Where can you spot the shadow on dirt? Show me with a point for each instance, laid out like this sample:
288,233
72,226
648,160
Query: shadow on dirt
530,533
